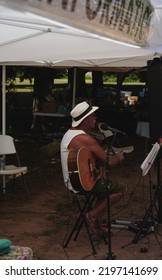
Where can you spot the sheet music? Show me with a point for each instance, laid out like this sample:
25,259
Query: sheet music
149,160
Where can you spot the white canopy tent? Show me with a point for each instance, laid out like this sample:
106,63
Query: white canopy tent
28,39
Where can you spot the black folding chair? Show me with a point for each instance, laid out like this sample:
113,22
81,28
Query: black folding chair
84,202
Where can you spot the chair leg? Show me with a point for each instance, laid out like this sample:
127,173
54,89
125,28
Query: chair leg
4,184
81,220
25,186
72,232
13,182
87,206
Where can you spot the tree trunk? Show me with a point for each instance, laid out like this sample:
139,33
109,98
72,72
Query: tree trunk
81,90
43,86
120,80
97,82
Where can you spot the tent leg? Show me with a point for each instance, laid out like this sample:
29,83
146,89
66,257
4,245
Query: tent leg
74,87
4,184
3,99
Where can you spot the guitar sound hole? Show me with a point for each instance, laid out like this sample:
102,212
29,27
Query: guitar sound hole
97,165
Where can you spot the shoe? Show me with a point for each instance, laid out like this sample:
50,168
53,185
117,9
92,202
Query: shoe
103,225
95,231
104,228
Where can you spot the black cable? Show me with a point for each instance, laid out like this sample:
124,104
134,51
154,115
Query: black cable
160,246
84,258
131,195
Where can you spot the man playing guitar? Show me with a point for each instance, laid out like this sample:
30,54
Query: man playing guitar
86,149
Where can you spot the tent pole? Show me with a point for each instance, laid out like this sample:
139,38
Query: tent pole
74,86
4,114
3,99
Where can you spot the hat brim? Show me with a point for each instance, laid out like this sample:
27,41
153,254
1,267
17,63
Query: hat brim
76,123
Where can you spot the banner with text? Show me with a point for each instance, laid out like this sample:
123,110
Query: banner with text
123,20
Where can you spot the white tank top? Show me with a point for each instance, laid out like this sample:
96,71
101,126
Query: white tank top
69,135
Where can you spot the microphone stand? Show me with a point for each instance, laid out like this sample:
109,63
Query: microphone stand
110,255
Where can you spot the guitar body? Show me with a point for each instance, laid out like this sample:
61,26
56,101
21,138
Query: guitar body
83,169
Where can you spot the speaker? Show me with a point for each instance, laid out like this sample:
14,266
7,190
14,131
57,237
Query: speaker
154,83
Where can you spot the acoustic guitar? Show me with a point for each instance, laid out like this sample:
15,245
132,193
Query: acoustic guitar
84,170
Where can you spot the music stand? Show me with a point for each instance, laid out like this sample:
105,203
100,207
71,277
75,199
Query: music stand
146,165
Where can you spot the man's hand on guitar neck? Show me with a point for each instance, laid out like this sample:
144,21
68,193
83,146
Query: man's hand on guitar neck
120,155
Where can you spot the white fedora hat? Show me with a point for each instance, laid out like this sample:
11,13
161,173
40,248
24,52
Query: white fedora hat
80,112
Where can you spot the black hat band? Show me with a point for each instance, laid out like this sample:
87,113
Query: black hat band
83,114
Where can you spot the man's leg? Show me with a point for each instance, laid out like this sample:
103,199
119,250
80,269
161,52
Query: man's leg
97,212
101,205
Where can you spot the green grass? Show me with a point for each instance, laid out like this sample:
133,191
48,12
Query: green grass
26,86
26,82
65,81
61,81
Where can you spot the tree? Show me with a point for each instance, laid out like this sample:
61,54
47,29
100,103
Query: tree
43,82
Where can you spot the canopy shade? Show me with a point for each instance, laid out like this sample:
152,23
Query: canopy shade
28,39
127,21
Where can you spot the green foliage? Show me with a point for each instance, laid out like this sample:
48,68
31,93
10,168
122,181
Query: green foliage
109,77
130,77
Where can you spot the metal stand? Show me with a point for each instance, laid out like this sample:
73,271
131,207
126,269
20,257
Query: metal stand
110,255
156,199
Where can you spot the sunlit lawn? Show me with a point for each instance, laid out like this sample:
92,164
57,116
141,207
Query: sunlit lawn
26,86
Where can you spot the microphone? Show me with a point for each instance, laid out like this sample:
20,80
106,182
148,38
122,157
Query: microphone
105,127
